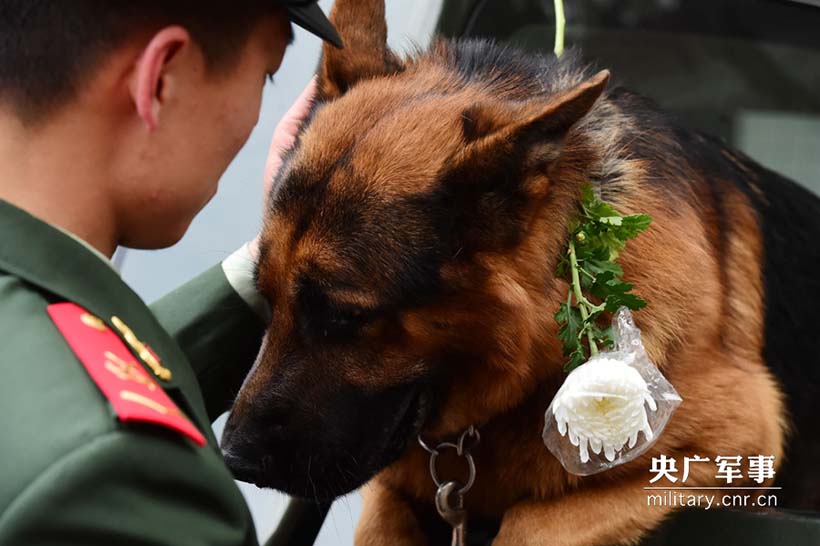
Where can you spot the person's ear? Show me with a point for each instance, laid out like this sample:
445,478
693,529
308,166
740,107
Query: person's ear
149,82
363,28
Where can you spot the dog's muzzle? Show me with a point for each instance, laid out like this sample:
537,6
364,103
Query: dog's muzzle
325,454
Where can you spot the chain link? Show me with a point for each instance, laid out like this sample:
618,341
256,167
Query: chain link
467,441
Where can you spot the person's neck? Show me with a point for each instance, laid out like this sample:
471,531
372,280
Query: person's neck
57,172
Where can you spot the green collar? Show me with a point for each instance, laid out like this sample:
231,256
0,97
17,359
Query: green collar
55,262
103,258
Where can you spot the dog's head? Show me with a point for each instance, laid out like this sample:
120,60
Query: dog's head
401,261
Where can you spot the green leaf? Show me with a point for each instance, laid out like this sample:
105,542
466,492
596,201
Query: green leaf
577,358
611,220
630,301
605,244
562,315
596,267
603,336
598,209
588,196
607,284
563,267
592,206
586,277
631,227
635,223
615,292
571,324
592,249
598,236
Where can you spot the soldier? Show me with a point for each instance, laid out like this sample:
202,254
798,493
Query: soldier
117,119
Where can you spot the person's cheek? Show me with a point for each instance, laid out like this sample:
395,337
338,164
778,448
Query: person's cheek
237,126
251,107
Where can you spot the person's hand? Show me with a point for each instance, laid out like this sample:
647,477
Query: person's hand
284,136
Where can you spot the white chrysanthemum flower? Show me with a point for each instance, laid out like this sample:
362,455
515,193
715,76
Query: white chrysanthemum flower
602,406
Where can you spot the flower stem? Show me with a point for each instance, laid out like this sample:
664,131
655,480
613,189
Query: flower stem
560,24
583,303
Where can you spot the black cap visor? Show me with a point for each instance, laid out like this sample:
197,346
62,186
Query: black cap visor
313,19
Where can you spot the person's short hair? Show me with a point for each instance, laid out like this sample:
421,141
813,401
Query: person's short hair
49,47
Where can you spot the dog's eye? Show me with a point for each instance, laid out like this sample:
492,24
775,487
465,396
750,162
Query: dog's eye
344,323
322,318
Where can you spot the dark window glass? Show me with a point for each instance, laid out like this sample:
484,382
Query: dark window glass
745,70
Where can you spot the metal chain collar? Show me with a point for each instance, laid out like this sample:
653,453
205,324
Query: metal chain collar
449,498
462,448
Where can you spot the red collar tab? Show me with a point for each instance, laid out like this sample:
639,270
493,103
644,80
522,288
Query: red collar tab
132,392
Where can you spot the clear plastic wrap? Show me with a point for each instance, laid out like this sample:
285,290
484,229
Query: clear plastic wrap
611,408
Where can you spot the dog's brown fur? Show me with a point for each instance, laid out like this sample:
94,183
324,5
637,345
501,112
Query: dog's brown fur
459,290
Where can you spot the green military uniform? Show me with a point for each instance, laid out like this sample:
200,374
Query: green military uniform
71,471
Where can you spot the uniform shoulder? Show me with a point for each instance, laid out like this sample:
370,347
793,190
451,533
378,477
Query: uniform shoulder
51,405
133,487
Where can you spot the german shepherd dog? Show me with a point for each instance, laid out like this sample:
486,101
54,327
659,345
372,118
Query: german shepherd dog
409,256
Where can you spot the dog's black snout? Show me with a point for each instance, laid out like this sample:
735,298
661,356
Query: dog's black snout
240,469
257,435
242,457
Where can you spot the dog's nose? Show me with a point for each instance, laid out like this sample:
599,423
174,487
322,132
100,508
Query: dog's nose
241,456
248,440
233,452
241,468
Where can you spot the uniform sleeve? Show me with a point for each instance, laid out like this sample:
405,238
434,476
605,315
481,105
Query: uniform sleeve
130,489
218,331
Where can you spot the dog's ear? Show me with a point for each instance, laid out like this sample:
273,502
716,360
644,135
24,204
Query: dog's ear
503,144
491,129
363,29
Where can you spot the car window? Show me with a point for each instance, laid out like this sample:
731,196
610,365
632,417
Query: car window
747,71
